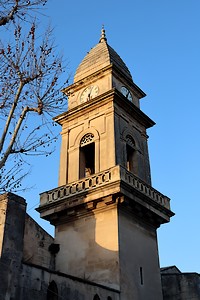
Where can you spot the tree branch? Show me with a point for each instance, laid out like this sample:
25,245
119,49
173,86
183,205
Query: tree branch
19,9
10,16
30,95
16,130
21,85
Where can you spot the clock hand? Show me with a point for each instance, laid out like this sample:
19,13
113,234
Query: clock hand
88,98
89,95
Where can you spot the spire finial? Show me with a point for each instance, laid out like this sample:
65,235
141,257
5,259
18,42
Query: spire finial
103,35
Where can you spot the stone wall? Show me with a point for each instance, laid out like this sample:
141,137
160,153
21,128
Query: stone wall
21,239
36,244
34,283
13,210
27,265
180,286
139,265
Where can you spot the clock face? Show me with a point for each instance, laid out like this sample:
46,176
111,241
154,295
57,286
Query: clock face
89,93
126,93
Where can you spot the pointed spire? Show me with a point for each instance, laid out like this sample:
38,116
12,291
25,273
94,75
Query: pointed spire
103,35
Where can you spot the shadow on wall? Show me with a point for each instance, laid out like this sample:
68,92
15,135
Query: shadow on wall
89,242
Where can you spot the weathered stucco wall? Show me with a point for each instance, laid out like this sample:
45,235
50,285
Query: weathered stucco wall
89,247
36,244
34,282
139,265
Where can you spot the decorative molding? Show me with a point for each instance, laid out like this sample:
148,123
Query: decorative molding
87,139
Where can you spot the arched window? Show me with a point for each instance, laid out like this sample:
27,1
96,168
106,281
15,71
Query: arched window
130,154
87,156
109,298
96,297
52,292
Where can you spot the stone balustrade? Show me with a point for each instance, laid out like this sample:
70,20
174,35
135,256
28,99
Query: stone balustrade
144,188
113,174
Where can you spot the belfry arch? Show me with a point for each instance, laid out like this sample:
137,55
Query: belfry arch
131,155
87,156
87,145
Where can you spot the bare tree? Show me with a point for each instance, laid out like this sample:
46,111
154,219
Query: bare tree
29,96
18,9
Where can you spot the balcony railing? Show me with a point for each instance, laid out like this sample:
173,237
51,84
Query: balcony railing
113,174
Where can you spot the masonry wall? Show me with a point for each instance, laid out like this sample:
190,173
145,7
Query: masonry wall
139,262
97,121
36,244
13,209
182,286
34,282
89,247
126,125
21,239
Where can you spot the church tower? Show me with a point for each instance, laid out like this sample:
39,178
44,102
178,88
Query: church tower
105,211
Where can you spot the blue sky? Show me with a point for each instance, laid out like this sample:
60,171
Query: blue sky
160,43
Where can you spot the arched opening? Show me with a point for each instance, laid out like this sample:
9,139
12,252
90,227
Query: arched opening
131,161
87,156
129,155
96,297
52,291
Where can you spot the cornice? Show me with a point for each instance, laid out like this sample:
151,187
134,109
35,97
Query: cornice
112,95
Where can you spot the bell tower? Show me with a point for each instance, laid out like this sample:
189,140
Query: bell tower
105,211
